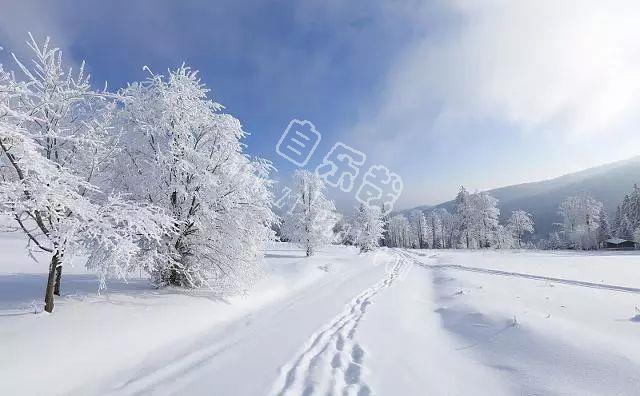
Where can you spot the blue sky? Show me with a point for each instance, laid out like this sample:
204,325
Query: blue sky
482,93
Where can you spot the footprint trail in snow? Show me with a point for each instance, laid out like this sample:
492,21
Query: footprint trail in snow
332,361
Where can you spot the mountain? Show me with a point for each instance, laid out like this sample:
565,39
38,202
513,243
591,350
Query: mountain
607,183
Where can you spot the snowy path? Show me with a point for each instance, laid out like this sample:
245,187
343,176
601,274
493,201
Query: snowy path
333,360
259,345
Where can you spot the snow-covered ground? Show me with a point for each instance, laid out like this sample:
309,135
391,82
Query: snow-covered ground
388,323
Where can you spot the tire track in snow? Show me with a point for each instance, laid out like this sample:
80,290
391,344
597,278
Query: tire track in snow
332,361
488,271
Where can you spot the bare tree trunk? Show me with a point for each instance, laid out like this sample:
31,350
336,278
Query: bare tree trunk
175,278
51,281
56,288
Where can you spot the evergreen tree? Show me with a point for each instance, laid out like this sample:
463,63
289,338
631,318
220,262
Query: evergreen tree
617,223
604,228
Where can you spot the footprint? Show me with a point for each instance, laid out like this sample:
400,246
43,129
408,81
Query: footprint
352,374
357,354
336,362
340,343
364,391
334,352
308,390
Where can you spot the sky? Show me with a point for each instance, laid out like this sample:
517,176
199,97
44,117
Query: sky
480,93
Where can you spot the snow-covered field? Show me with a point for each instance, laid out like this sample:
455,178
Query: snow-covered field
389,323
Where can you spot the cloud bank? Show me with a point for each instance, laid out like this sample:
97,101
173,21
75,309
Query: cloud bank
563,71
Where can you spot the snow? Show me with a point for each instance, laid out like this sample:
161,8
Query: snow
381,323
545,337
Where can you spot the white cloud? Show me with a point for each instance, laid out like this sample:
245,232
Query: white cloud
569,66
564,71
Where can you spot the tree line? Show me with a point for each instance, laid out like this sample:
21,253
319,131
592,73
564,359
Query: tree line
474,223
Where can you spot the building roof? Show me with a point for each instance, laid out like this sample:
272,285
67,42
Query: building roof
616,241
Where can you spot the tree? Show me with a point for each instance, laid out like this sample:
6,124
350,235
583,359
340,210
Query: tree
419,228
617,222
476,217
343,231
435,234
464,215
504,237
604,229
448,228
556,241
310,222
484,219
399,232
368,227
633,209
625,224
580,221
55,145
627,218
520,223
186,156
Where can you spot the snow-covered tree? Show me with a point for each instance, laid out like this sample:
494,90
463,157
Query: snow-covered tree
448,228
419,228
617,222
556,241
311,220
580,221
504,238
636,235
627,218
464,216
484,219
368,227
343,230
55,146
435,235
185,155
604,229
520,223
632,211
441,229
476,217
398,232
624,224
